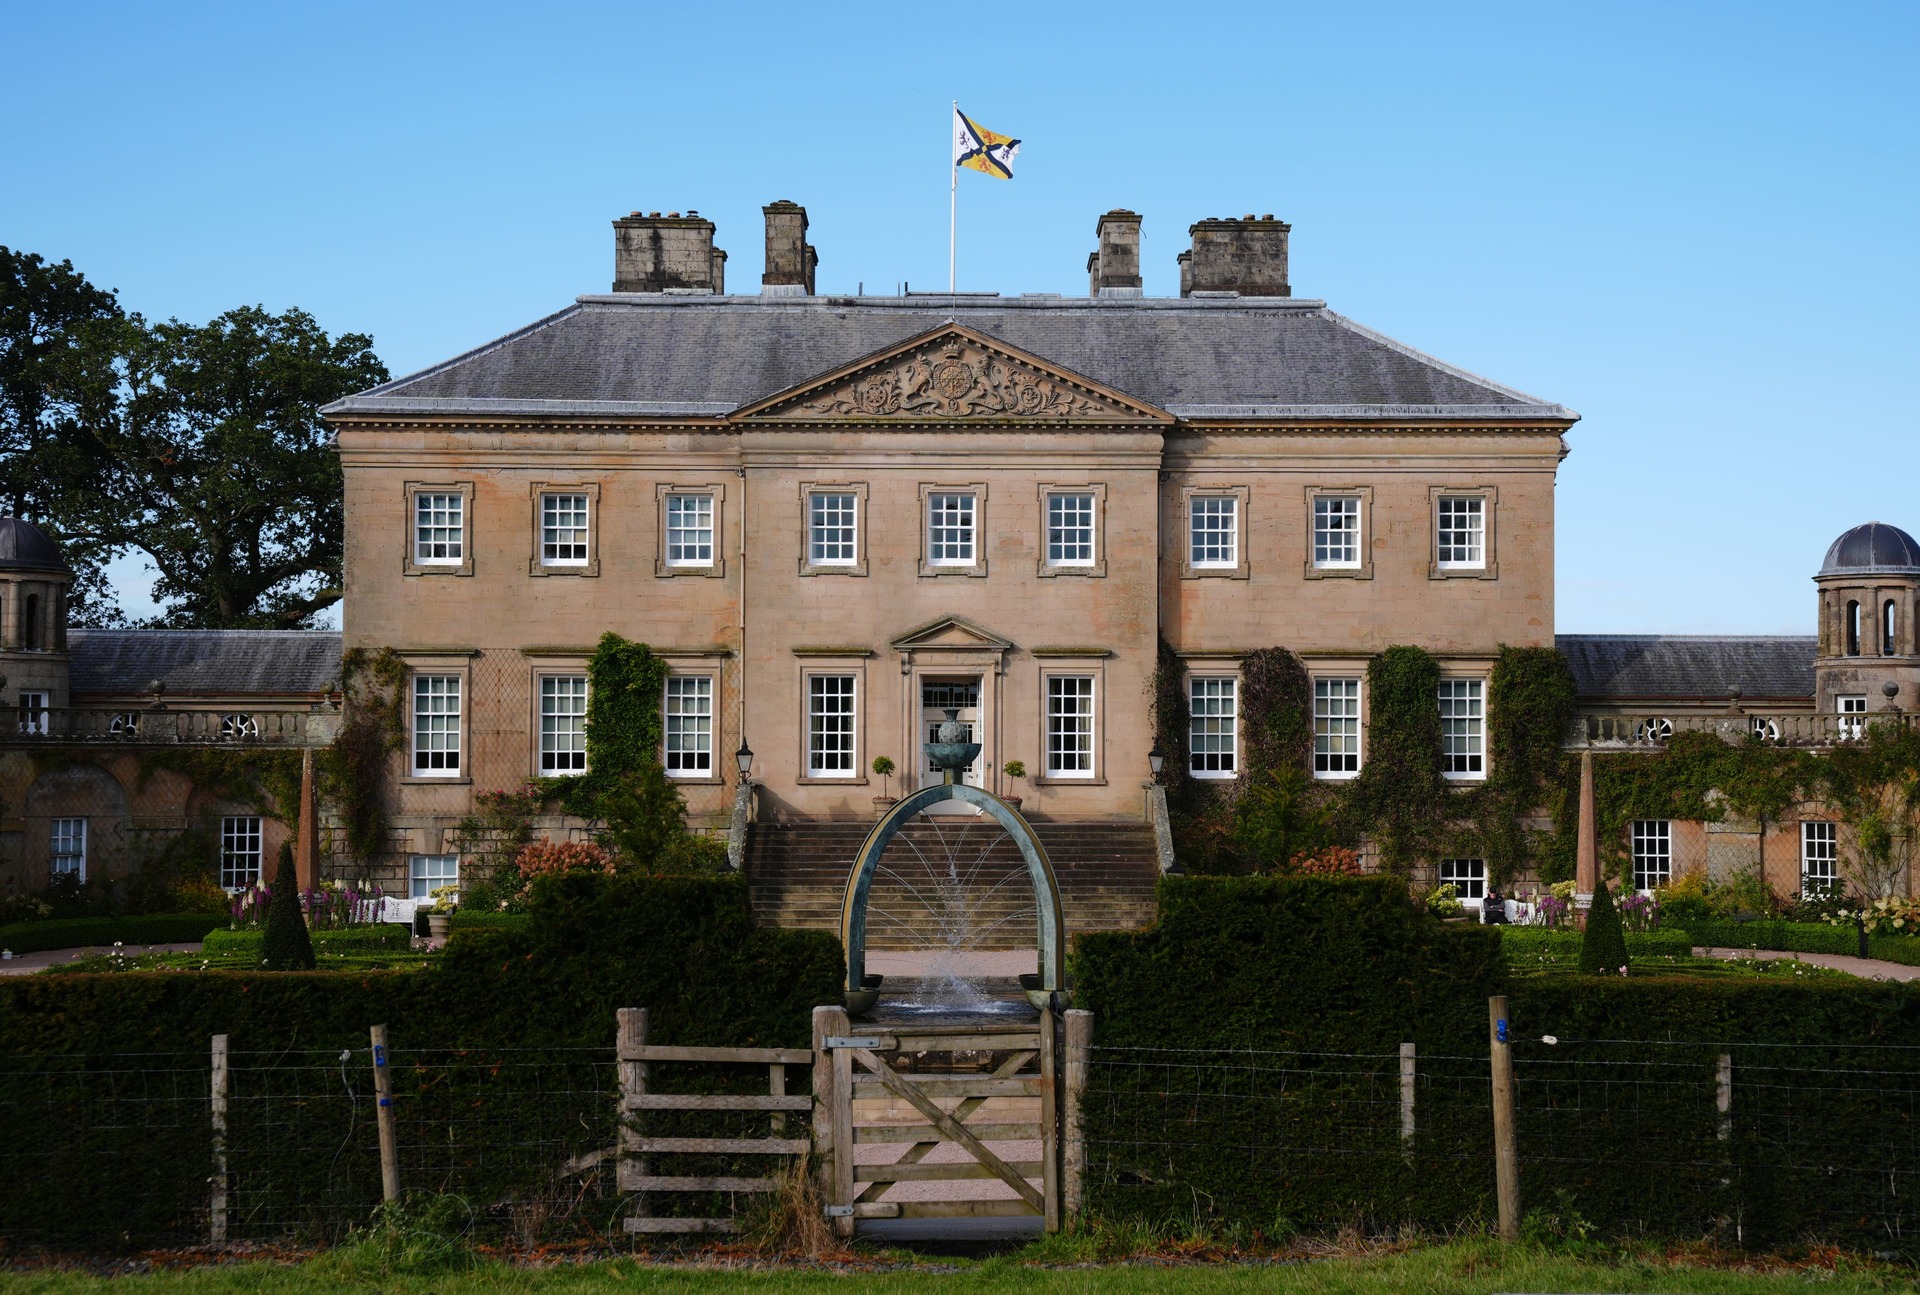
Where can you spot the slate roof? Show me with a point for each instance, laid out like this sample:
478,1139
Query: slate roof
1616,667
1875,549
267,662
666,355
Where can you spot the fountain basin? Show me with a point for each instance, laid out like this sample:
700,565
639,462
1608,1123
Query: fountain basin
862,1000
952,755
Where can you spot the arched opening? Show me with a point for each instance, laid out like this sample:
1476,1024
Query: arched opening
1887,628
1853,628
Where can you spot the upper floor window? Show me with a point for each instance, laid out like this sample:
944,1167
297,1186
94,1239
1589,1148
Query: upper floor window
1213,531
1461,541
1652,841
34,715
239,851
1887,628
830,732
1070,529
439,529
1463,728
1069,726
1853,628
1213,707
1336,531
689,726
436,725
1819,858
563,530
689,530
563,724
67,848
1853,711
950,529
833,522
1336,728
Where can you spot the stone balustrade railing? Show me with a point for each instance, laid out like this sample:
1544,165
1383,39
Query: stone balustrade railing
273,726
1652,729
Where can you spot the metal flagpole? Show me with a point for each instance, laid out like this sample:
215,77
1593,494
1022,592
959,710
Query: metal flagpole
953,196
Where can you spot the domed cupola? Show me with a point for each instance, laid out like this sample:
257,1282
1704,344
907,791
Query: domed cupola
1869,657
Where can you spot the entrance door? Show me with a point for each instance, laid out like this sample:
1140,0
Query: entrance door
937,697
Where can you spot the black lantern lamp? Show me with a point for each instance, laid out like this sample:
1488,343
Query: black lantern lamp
1156,761
743,759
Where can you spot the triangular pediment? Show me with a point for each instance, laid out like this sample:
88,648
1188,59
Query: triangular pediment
952,633
952,375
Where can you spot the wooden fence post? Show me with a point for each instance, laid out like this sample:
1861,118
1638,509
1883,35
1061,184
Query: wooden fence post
1049,1122
1506,1152
1079,1056
217,1228
383,1117
630,1035
833,1112
1723,1096
1409,1071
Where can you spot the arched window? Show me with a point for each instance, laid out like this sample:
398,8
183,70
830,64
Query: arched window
1886,629
1853,628
30,624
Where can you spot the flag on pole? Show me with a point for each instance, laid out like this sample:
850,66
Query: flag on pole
982,150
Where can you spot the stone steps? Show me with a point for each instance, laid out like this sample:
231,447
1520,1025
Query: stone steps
1106,871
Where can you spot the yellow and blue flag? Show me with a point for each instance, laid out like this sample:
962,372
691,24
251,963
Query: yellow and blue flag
981,149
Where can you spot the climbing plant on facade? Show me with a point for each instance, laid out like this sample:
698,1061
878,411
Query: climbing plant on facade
354,771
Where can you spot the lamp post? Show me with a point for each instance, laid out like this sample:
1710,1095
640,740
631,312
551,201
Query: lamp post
1156,761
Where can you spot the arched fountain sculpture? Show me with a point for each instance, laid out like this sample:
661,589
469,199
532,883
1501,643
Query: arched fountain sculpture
950,755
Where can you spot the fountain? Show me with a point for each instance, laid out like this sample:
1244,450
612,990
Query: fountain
951,900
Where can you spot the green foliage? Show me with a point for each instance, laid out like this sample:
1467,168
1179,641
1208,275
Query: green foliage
1400,799
1793,937
84,932
488,841
1875,785
1603,945
178,877
1904,949
1172,723
249,945
1535,948
1276,706
353,772
285,945
1530,705
1278,815
421,1234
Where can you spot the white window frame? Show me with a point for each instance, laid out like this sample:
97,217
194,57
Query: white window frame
562,749
824,722
849,524
1467,745
1474,508
1208,723
1329,506
444,758
1206,551
688,736
1819,857
241,840
67,840
943,514
1332,696
1889,628
1072,733
1852,710
426,873
1085,505
33,713
432,520
1651,842
1464,875
705,510
554,524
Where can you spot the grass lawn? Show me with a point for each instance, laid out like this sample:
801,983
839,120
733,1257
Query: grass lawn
134,960
1462,1268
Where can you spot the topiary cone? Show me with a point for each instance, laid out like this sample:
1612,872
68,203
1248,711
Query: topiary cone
1603,946
286,946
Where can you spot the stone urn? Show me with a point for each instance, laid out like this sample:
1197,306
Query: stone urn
438,925
881,804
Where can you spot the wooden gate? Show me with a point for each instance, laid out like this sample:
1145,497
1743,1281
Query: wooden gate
899,1106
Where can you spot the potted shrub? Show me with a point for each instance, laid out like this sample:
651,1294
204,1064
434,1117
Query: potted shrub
440,916
1015,769
883,766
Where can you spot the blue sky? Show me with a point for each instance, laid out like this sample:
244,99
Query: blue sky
1693,223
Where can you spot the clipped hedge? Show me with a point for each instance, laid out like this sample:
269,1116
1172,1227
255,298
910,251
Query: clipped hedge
1895,948
1791,937
1533,941
382,938
85,932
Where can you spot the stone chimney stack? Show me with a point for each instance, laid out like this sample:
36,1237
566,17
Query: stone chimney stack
1114,268
1247,256
790,257
656,253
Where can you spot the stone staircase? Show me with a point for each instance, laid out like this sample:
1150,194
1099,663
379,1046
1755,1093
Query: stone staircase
798,873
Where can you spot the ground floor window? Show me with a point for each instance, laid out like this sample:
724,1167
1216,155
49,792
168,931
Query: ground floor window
1819,858
830,726
239,851
1212,739
1070,726
1652,853
1468,877
689,727
68,853
428,872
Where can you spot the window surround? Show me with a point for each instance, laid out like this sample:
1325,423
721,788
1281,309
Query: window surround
1184,531
712,570
1363,570
861,517
1314,679
1489,568
537,565
813,666
713,776
978,567
570,667
1486,754
1098,567
409,554
1093,667
1230,672
458,664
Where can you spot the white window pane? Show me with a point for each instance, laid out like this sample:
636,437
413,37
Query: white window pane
1819,858
1070,726
1468,877
950,530
689,726
436,725
563,724
1213,706
563,530
689,530
1214,531
67,848
1462,536
426,873
1070,530
1652,853
1336,728
438,529
1463,728
239,851
1336,531
830,718
831,529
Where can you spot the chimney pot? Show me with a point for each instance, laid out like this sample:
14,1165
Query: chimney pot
1246,256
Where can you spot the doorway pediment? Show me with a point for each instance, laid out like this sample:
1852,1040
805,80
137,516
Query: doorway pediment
951,634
